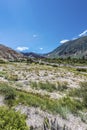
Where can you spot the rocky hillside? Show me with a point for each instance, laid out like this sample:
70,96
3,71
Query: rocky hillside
75,48
8,54
33,55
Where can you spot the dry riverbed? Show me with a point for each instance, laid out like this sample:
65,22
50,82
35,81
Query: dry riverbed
21,76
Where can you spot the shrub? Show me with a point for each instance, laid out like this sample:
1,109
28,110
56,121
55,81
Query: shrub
12,77
7,90
2,61
81,69
2,74
11,120
9,93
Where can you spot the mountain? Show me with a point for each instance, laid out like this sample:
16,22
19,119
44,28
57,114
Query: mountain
75,48
9,54
33,55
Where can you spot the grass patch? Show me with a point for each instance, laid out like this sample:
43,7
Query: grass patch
84,92
82,69
80,93
8,92
2,74
50,87
2,61
61,106
12,77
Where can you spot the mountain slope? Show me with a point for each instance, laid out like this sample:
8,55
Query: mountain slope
74,48
33,55
9,54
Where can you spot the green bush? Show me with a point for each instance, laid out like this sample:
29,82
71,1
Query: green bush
8,91
11,120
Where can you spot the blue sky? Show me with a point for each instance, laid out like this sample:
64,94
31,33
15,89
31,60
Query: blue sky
40,25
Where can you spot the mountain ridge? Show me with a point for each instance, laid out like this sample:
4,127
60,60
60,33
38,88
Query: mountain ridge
33,55
9,54
74,48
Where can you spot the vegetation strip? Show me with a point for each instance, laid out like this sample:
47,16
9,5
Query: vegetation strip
61,106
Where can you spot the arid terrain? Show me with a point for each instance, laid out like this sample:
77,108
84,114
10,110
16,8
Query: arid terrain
44,92
43,65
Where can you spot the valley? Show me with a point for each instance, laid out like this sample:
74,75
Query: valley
43,65
49,96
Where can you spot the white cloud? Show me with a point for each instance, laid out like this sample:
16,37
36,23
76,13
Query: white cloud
41,48
74,38
35,36
64,41
22,48
83,33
